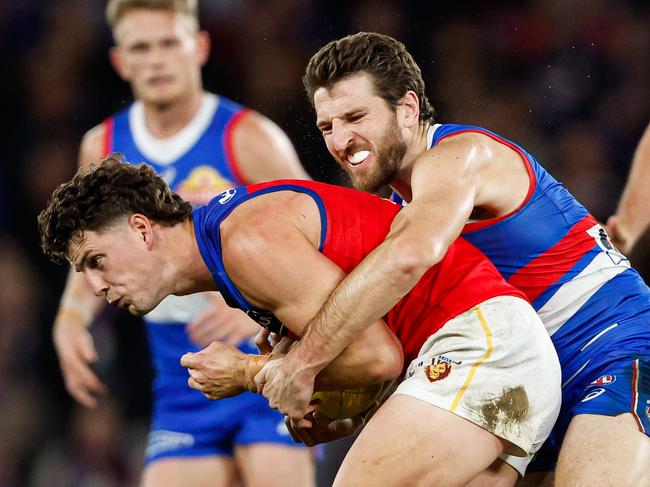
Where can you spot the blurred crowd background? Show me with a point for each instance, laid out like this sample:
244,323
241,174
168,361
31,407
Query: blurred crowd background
567,79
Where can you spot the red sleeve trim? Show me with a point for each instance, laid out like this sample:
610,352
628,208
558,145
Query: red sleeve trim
231,159
107,146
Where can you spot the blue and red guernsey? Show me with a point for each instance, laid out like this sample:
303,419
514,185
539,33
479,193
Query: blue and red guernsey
196,163
561,258
352,225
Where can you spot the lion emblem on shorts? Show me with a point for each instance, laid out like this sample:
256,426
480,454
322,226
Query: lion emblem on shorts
438,370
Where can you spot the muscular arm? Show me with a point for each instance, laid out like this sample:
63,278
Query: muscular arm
444,191
277,268
264,152
633,213
77,309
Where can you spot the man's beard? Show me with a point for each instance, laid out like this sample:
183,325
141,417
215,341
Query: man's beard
390,153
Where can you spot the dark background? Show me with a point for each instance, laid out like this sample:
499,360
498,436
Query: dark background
567,79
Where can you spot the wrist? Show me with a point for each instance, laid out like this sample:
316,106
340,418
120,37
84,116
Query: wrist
251,366
302,360
72,313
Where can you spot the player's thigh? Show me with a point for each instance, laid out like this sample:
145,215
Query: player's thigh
208,471
499,474
410,442
275,465
605,451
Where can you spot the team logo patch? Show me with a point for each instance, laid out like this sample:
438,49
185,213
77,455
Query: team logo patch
647,412
438,370
604,380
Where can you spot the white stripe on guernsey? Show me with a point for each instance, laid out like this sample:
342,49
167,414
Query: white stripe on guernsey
574,294
165,151
431,132
598,336
576,373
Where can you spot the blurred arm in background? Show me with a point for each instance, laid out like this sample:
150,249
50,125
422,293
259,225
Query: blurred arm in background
632,216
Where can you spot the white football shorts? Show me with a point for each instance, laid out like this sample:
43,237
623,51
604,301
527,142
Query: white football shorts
495,366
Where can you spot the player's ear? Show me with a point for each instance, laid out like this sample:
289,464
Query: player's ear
408,109
203,46
143,228
115,56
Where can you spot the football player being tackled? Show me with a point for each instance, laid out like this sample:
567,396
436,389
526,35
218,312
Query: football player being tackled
482,378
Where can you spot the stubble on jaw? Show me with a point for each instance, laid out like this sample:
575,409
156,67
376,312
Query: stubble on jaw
390,153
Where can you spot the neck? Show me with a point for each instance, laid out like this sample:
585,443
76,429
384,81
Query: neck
191,275
417,145
164,121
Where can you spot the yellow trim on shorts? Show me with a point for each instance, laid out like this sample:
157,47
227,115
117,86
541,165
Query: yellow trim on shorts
470,376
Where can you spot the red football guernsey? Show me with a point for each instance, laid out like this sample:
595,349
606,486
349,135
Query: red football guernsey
354,223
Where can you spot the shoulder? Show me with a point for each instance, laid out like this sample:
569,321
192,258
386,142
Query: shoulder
263,151
92,146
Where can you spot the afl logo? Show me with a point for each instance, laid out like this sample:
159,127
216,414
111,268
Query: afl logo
604,380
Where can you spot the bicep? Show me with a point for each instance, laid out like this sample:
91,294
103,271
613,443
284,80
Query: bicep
279,270
264,152
288,276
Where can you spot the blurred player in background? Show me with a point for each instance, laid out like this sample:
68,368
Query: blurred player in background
633,213
201,144
378,124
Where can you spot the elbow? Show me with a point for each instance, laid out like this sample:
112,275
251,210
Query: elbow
413,259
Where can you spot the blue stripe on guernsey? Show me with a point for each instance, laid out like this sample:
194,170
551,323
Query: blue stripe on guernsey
208,218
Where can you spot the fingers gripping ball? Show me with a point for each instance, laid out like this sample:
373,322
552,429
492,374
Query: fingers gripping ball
348,403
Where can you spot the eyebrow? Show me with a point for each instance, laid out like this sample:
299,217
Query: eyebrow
346,115
80,264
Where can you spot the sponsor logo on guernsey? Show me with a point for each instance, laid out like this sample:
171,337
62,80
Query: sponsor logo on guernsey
647,409
593,394
604,380
202,184
226,196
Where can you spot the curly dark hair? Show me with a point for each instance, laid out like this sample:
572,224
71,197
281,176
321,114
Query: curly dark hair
391,67
97,197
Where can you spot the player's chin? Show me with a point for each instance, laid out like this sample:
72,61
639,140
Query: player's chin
161,96
138,310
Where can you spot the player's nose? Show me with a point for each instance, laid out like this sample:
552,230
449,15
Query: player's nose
341,137
98,286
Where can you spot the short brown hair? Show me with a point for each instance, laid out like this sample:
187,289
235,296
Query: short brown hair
116,9
391,67
97,197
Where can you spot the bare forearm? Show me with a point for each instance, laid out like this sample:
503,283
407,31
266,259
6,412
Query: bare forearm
633,211
363,297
